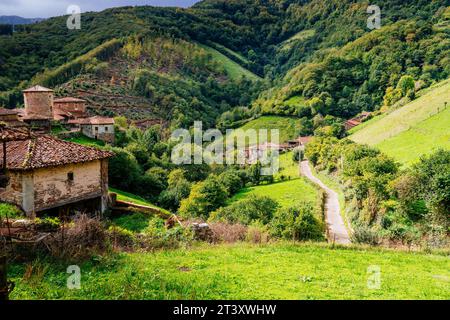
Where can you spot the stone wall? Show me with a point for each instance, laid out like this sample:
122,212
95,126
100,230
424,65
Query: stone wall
39,104
53,188
13,192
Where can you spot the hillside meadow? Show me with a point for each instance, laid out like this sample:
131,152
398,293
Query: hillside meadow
416,129
243,271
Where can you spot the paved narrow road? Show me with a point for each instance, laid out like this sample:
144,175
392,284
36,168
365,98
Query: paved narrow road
336,227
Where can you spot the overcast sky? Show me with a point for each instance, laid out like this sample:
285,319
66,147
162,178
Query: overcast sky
51,8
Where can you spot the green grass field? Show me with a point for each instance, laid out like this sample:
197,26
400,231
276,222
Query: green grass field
288,127
418,128
130,197
288,167
84,140
234,70
243,271
285,193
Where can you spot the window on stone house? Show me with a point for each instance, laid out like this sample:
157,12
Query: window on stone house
70,176
106,128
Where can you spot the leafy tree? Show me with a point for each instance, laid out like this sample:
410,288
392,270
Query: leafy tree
247,211
297,223
205,197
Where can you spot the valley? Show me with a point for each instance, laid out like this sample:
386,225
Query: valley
89,159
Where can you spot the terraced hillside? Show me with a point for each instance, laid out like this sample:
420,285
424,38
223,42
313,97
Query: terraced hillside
416,129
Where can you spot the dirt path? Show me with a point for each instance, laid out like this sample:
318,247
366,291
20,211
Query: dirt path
336,227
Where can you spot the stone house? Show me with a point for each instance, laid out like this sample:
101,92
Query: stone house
38,107
10,117
99,128
69,108
45,173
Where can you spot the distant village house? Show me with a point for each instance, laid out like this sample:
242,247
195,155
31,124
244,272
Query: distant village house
99,128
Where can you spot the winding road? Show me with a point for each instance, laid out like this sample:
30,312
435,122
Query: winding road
337,232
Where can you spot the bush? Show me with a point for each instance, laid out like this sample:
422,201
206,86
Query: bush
12,211
366,235
205,197
226,232
247,211
121,237
257,233
80,239
297,223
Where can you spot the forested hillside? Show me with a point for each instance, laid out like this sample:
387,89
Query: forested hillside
317,57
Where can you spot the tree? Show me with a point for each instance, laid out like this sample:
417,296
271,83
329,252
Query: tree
205,197
297,223
247,211
406,85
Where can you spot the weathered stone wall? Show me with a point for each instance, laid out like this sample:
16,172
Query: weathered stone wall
52,187
13,192
38,104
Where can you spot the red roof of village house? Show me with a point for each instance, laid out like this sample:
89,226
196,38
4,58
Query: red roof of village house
5,112
46,151
304,140
93,120
12,134
352,122
68,99
37,89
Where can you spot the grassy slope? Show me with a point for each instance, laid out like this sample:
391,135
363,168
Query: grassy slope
234,70
84,140
129,197
276,271
286,193
287,126
412,130
288,167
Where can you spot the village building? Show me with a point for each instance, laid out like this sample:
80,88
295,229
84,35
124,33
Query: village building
68,108
38,107
257,152
299,142
44,173
10,117
99,128
357,120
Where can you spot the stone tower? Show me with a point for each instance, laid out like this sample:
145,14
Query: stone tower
38,103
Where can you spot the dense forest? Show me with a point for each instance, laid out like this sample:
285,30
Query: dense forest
317,57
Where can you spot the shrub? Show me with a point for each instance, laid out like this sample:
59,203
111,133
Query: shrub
257,233
254,208
12,211
297,223
363,234
205,197
226,232
120,237
80,239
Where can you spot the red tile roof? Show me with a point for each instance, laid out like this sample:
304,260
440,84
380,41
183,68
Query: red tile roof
93,120
68,99
6,112
46,151
12,134
37,89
